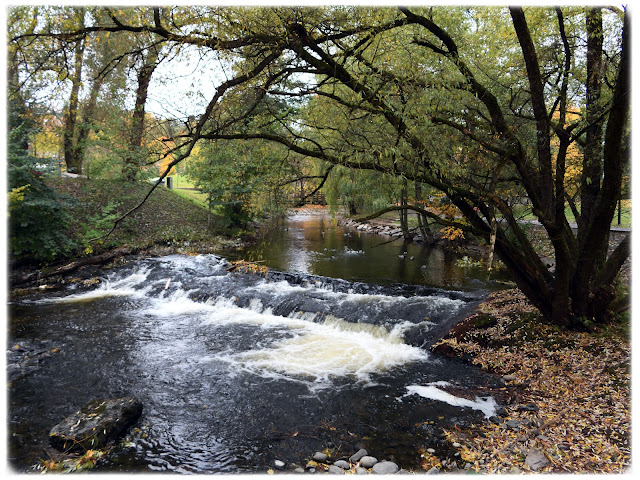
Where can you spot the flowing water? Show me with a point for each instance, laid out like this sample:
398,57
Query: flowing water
329,350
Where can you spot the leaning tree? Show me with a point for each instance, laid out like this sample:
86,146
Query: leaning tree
485,114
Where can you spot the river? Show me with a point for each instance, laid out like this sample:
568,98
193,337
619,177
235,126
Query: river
327,350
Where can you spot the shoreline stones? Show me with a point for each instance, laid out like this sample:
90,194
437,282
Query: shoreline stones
385,468
367,461
360,462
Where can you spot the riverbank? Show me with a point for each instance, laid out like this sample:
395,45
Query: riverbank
567,394
166,223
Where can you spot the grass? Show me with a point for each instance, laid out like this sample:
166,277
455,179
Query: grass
194,196
625,215
167,218
525,214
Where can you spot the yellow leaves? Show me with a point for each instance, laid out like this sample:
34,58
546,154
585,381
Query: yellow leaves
16,195
451,233
244,266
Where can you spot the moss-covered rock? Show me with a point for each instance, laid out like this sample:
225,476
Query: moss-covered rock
96,424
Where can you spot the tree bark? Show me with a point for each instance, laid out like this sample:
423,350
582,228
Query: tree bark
134,153
72,156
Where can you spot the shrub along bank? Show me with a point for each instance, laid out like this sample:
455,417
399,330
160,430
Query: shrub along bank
165,223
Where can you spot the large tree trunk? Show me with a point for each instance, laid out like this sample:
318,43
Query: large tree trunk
134,154
71,153
86,125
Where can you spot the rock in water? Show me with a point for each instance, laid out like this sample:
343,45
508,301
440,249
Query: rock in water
96,424
385,468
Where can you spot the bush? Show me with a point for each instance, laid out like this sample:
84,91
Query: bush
38,215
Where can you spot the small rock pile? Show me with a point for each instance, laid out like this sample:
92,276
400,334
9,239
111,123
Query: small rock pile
360,463
378,229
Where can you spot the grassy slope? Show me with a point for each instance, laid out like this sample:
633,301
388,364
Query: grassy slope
165,219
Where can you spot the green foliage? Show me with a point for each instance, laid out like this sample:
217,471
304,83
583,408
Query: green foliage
38,214
240,180
98,225
360,190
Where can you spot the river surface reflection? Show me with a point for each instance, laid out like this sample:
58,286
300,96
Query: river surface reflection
312,242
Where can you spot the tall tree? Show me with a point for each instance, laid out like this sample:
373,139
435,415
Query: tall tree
72,154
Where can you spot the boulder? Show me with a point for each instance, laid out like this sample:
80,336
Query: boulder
96,424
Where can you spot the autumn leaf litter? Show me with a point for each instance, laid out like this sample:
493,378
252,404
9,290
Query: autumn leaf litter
566,394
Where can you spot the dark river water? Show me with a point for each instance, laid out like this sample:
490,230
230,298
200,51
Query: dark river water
328,350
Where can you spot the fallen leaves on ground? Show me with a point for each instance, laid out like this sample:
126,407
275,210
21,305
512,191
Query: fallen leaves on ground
578,383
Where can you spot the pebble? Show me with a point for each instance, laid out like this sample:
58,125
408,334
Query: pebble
368,461
279,464
529,407
456,445
536,459
299,470
335,470
514,424
319,457
433,471
431,450
358,455
502,412
342,464
509,378
385,468
362,471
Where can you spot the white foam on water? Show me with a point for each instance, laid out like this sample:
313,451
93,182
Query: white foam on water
129,286
321,352
315,353
487,405
177,303
206,261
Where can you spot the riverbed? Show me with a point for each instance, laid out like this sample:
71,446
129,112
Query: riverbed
328,350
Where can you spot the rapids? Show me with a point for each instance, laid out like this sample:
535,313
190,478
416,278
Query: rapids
237,370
